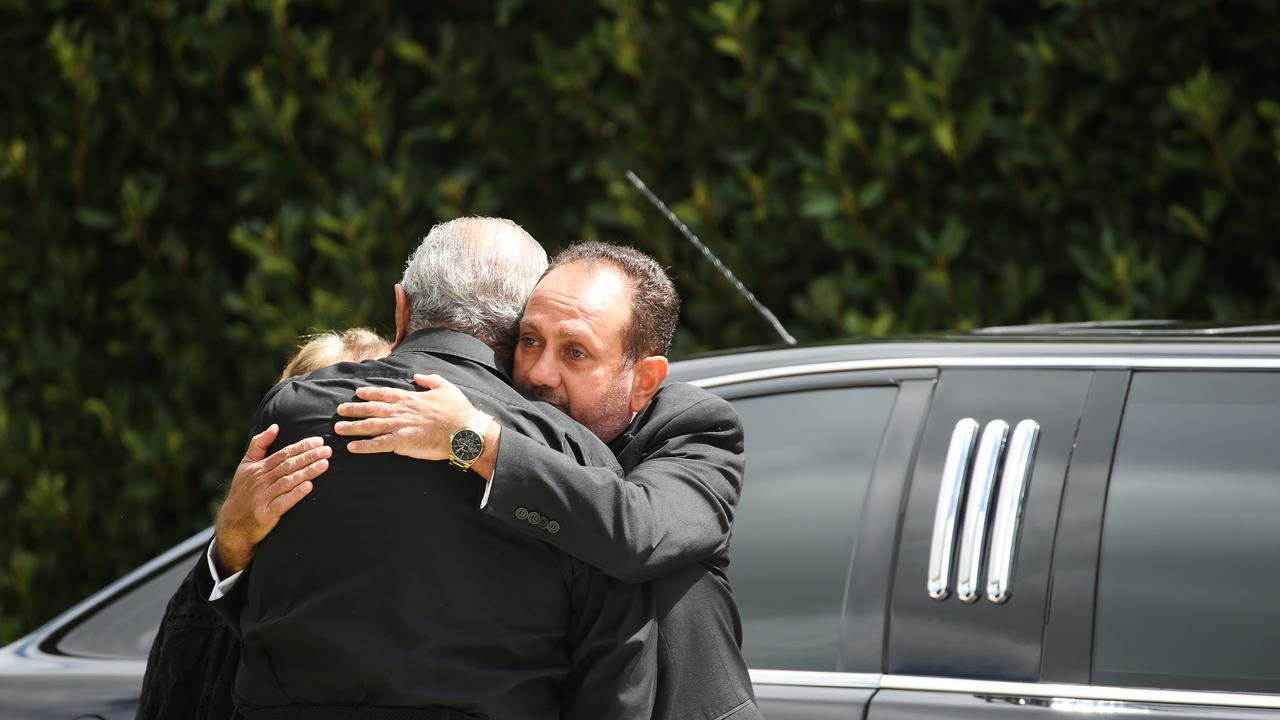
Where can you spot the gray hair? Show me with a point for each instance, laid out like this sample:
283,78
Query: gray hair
473,275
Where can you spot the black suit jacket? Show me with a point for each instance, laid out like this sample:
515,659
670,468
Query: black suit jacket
668,523
386,588
193,659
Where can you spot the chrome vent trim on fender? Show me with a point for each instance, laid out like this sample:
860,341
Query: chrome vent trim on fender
986,464
1008,517
955,473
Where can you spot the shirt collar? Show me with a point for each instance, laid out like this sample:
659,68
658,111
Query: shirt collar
440,341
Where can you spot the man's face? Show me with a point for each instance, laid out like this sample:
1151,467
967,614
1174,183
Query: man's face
570,350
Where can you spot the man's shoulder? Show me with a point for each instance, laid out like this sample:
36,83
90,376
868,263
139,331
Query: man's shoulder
680,409
680,398
326,387
535,419
545,424
682,417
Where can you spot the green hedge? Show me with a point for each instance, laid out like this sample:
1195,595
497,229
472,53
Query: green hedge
185,190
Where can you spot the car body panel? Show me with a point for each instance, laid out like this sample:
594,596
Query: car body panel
981,639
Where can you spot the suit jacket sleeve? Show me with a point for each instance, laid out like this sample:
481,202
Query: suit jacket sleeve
672,509
193,659
612,648
228,606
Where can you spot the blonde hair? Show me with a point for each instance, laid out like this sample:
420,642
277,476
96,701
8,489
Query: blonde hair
334,347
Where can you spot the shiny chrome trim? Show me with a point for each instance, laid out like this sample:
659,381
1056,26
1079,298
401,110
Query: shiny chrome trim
1056,691
986,463
1038,362
815,679
1095,707
1004,530
1079,692
954,475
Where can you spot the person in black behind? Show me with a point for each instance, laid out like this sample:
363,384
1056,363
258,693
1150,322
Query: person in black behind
593,340
384,594
192,663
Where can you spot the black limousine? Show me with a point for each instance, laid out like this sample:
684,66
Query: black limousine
1038,521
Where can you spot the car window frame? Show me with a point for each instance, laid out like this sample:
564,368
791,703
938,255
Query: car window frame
50,635
1096,527
1066,650
864,616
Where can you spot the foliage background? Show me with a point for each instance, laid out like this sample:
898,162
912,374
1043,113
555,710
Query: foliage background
187,187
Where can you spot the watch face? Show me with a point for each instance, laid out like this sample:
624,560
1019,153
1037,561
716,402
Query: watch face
467,445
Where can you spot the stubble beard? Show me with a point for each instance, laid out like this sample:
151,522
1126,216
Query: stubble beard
606,418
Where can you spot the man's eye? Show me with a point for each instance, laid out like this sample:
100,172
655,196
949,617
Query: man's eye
528,341
576,354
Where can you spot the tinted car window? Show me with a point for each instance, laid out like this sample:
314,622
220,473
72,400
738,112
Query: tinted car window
1188,581
125,626
809,462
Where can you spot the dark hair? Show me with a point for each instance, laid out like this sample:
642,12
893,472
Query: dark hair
655,305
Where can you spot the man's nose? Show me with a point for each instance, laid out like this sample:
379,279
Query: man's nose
544,372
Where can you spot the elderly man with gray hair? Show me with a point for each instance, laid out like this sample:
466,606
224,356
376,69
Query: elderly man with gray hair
384,595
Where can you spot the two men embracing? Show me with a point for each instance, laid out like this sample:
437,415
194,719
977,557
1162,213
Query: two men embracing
549,569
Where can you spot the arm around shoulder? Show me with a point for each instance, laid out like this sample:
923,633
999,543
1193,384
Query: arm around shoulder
674,507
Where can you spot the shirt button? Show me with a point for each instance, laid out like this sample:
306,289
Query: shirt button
553,527
534,518
522,513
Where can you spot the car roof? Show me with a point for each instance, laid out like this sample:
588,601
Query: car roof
1136,343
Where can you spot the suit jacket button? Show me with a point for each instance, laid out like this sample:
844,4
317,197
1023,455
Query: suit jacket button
553,527
522,513
534,518
543,523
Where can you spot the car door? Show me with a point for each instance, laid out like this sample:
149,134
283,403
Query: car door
972,580
1171,611
811,554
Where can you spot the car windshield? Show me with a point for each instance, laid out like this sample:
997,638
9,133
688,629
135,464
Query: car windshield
124,627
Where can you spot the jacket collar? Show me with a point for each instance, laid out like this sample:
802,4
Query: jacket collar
439,341
642,417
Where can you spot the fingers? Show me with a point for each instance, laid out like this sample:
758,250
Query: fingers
430,382
288,482
382,394
371,426
290,451
282,503
299,463
379,444
366,409
276,499
259,443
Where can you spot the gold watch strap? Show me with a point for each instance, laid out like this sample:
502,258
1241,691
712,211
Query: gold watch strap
477,423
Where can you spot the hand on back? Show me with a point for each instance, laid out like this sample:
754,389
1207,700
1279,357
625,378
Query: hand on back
410,423
262,490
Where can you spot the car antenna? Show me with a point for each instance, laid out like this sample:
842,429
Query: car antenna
684,230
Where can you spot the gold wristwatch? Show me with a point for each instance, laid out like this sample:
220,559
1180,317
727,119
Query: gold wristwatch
466,444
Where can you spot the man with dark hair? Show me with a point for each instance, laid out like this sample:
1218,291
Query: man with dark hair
592,342
655,305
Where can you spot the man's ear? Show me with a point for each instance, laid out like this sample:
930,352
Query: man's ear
402,316
650,373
